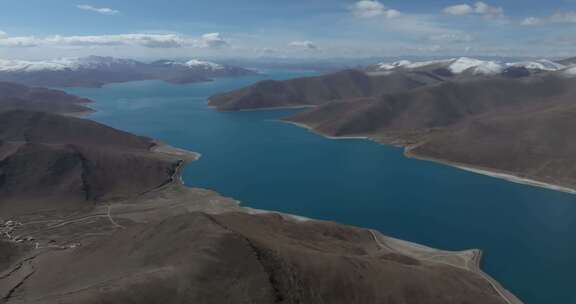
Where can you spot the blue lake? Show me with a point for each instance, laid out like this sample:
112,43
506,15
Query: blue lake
528,234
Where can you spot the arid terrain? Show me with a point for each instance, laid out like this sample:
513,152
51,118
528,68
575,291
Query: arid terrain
20,97
90,214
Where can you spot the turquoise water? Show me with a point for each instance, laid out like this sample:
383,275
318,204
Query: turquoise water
528,234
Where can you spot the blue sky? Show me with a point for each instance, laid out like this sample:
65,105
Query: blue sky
38,29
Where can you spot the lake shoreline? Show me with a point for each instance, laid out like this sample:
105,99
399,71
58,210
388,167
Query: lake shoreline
507,176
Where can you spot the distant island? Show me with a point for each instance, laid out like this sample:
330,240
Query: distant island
96,71
91,214
508,120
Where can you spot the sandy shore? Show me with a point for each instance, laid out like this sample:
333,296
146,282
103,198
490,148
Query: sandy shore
295,107
185,155
503,292
81,113
508,176
301,125
468,260
279,108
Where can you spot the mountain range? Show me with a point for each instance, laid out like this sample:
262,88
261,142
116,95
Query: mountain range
469,66
96,71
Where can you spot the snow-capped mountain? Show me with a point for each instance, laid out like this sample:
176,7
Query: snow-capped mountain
194,64
63,64
465,65
455,65
407,64
207,65
541,64
570,71
96,71
475,66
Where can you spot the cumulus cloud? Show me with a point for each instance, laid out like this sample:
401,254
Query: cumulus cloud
479,8
145,40
392,20
304,45
459,10
558,17
373,8
7,41
99,10
487,10
210,40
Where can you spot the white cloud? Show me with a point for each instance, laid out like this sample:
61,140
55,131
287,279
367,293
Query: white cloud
373,8
558,17
305,45
479,8
391,20
489,11
6,41
564,17
532,21
99,10
459,10
417,26
145,40
3,34
210,40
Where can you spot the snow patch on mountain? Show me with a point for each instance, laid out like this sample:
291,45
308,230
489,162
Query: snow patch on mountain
476,66
207,65
542,64
471,65
197,64
93,62
455,65
406,64
62,64
570,71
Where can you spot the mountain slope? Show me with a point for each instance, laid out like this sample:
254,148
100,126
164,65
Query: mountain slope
50,159
19,97
242,258
518,126
430,107
311,91
535,144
